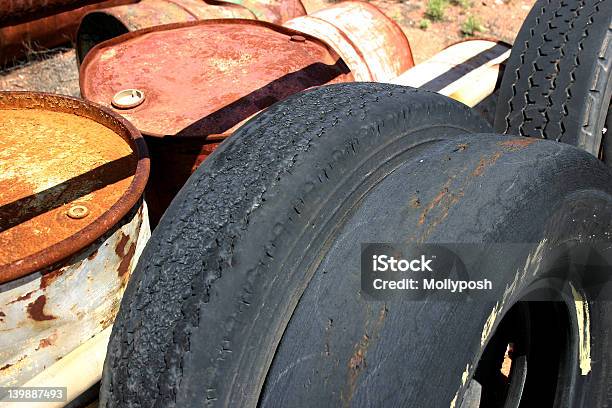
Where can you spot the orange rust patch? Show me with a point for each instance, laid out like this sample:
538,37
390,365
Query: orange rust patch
437,199
484,163
120,248
22,298
48,278
125,261
44,343
515,144
357,362
50,161
36,309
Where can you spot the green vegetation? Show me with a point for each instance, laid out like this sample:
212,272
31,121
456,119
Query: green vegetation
435,9
470,26
424,24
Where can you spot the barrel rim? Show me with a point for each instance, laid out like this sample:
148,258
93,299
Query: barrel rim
83,238
88,60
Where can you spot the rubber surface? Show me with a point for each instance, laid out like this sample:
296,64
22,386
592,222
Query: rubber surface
232,300
187,308
556,83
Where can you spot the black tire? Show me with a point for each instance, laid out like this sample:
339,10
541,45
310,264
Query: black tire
220,307
556,83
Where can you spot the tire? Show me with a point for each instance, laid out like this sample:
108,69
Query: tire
236,297
556,83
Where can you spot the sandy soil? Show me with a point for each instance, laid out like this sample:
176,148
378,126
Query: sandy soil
56,71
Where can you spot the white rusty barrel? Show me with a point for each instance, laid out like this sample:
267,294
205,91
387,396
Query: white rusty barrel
372,45
467,71
72,225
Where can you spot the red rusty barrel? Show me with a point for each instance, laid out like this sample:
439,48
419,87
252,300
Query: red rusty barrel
373,46
274,11
14,12
72,225
197,82
102,25
45,33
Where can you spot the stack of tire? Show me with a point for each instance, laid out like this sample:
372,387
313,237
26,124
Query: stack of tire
248,292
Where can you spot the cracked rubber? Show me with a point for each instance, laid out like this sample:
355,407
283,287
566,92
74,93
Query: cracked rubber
226,306
192,305
556,84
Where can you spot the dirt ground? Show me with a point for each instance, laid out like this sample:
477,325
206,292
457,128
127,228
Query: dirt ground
56,71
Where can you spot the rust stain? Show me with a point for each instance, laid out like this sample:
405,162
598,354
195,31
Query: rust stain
519,143
120,248
6,366
125,261
44,343
357,363
437,199
22,297
484,163
48,278
36,309
2,315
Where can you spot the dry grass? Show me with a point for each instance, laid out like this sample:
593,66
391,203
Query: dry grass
44,71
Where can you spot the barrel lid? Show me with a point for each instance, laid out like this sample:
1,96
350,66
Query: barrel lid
69,171
205,78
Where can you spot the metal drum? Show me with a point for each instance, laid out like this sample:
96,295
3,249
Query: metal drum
45,33
467,71
195,83
373,46
102,25
72,225
274,11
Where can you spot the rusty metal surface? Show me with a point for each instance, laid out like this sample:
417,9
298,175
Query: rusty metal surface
41,195
206,78
47,314
102,25
45,33
202,80
373,46
274,11
13,12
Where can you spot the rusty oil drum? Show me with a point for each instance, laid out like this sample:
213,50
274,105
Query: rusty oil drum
16,41
72,225
101,25
274,11
372,45
199,82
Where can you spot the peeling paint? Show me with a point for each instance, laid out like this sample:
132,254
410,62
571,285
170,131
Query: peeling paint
465,376
584,331
489,324
36,309
70,304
